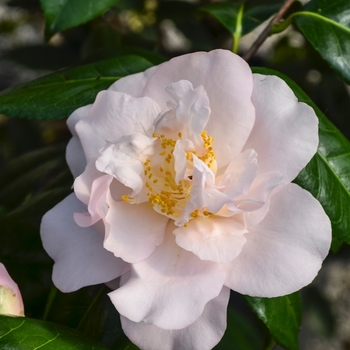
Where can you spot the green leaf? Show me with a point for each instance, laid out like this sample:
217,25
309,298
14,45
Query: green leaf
238,335
227,14
281,315
20,333
57,95
330,38
64,14
327,176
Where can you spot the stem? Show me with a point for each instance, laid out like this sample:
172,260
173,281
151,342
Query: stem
238,30
265,33
49,302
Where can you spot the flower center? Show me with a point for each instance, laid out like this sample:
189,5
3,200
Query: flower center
165,195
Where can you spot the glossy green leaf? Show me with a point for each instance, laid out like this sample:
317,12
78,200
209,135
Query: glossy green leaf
64,14
20,333
57,95
327,176
330,38
227,14
282,317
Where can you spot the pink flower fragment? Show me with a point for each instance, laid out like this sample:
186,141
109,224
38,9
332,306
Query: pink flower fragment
11,302
183,190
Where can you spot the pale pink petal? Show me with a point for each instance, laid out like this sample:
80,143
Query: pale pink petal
180,160
203,334
229,91
80,259
133,84
285,134
216,239
74,153
11,302
97,207
170,288
124,159
83,183
113,115
188,112
134,230
284,252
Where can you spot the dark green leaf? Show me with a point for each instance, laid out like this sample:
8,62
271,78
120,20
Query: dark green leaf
330,38
238,335
226,13
327,176
57,95
281,315
64,14
338,10
20,333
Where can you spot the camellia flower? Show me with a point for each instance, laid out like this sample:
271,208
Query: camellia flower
183,190
11,302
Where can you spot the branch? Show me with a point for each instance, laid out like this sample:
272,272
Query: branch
265,33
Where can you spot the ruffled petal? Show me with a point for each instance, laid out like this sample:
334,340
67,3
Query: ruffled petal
229,91
134,230
124,159
113,115
11,302
170,288
203,334
80,259
284,252
216,239
285,133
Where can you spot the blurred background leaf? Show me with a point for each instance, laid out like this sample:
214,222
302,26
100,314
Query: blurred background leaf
64,14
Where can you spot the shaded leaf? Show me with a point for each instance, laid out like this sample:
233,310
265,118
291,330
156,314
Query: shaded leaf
20,333
64,14
227,14
57,95
281,315
327,176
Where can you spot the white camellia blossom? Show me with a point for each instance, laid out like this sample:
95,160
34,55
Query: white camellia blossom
183,190
11,302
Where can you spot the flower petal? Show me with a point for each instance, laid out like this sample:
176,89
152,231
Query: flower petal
74,153
133,84
285,134
11,302
283,252
229,91
203,334
170,288
113,115
80,259
134,230
216,239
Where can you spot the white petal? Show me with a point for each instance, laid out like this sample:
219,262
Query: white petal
284,252
124,159
113,115
188,114
133,84
170,288
215,239
80,259
229,91
203,334
74,153
285,134
180,164
134,230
